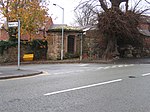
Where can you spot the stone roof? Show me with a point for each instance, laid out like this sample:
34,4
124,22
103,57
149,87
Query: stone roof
58,27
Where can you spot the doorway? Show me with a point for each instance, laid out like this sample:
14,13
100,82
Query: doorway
71,44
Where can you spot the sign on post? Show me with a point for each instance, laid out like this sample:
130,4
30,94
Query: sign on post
17,24
12,24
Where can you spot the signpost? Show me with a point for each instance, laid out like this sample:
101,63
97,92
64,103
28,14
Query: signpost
18,44
16,24
12,24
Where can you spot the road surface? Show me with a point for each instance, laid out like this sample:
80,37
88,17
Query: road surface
79,88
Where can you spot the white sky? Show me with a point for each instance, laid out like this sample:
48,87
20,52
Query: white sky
69,5
56,12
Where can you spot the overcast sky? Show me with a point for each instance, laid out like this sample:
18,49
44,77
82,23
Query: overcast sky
68,5
56,12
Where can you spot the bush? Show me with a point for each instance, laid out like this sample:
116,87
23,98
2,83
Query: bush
37,47
4,45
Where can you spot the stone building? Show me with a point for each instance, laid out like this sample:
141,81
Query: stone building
71,41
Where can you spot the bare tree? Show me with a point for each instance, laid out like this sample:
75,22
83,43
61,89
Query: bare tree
147,1
86,13
85,16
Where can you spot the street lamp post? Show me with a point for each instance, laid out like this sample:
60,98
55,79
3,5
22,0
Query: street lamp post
62,38
81,45
81,48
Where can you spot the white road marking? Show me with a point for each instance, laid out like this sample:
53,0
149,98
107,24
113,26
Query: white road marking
126,65
120,65
57,73
89,69
69,72
131,65
100,68
106,67
82,87
145,74
45,73
83,65
114,66
80,70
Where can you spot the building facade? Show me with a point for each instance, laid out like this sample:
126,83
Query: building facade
71,41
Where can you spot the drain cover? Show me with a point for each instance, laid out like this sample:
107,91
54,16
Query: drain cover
132,77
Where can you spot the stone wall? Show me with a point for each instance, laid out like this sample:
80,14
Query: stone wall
11,54
93,45
54,44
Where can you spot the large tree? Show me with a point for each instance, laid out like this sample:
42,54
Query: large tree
30,12
116,24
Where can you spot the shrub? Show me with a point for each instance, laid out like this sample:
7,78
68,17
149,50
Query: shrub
4,45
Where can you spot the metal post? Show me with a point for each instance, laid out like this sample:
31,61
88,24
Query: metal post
62,38
81,47
18,44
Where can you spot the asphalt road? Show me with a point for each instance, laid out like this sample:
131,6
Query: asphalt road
79,88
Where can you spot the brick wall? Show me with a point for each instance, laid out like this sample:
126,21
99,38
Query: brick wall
3,35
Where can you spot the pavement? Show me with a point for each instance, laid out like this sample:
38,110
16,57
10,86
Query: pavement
9,71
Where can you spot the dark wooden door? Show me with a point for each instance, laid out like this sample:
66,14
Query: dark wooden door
71,44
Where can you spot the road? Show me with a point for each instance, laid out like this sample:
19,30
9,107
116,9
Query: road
79,88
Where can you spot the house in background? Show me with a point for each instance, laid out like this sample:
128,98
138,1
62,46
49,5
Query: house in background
144,28
39,34
71,41
3,34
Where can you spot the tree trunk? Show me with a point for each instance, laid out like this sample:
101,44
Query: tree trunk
111,49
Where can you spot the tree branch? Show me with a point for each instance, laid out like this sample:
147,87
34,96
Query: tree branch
147,1
103,5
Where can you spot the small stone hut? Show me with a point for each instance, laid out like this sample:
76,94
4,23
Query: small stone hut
71,41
